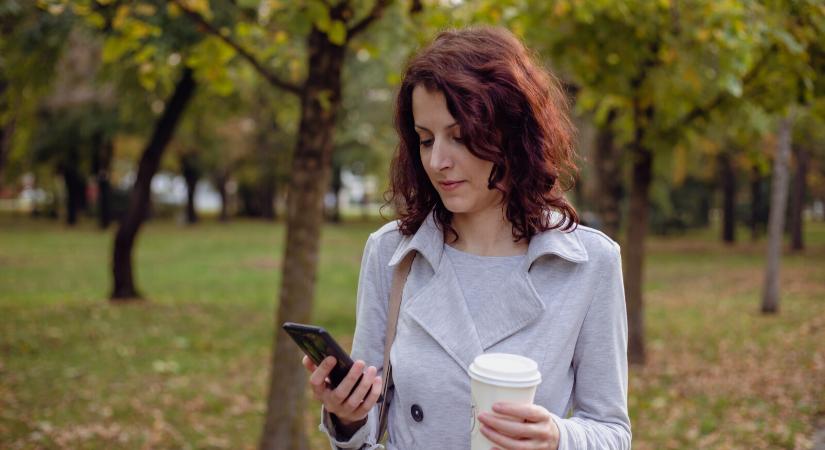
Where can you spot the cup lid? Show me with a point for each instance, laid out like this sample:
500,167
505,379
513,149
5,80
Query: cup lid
505,369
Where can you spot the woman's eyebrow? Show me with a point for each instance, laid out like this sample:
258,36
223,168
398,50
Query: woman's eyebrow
454,124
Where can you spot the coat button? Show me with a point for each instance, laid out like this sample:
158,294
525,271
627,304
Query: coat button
417,413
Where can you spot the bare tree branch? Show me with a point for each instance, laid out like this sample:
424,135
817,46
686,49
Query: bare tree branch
270,77
375,13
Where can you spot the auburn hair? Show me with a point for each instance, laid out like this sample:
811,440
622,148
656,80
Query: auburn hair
510,111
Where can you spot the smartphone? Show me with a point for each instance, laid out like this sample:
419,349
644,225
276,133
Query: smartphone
318,344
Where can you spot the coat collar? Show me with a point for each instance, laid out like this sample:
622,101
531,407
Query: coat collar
429,242
438,305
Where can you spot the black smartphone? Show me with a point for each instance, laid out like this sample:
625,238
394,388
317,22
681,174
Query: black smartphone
318,344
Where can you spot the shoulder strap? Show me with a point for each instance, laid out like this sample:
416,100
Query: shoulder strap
399,278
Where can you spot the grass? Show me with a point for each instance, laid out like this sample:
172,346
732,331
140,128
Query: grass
188,369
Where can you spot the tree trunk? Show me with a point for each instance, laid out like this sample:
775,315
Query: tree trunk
637,233
779,196
124,287
191,214
101,166
6,130
267,195
320,101
756,201
798,198
75,188
727,178
191,174
336,186
607,162
6,133
220,181
634,261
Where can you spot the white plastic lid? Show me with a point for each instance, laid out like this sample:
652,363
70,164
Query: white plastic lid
505,369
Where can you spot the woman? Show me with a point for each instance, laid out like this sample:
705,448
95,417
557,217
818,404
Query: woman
501,266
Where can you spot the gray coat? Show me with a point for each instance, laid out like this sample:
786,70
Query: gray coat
564,308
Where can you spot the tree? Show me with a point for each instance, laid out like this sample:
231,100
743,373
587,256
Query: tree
789,89
124,287
776,223
332,27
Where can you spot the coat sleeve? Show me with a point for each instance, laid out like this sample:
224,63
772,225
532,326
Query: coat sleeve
600,419
368,342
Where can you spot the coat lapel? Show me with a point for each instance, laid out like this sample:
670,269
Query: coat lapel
438,306
518,306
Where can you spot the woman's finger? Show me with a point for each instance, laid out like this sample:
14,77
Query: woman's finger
318,378
342,391
506,442
354,400
372,398
515,428
530,413
308,364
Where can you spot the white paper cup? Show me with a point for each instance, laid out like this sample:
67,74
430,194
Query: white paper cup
496,377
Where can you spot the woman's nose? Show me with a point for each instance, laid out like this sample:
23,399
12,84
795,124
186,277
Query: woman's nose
440,158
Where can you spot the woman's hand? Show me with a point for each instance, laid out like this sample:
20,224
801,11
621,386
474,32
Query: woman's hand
348,409
516,427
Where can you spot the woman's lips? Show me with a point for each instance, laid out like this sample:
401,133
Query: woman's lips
450,185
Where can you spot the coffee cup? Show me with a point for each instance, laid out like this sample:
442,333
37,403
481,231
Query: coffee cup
499,377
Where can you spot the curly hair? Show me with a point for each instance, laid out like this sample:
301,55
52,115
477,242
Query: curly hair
510,111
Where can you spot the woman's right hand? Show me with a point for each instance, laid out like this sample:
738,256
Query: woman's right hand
349,409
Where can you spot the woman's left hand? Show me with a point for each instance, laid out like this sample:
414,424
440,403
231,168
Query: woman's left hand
516,427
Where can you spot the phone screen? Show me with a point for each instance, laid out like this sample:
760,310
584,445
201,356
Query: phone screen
318,344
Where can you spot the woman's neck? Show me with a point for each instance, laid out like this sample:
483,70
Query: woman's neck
486,233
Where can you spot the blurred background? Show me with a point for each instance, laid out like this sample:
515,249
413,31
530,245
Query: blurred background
178,178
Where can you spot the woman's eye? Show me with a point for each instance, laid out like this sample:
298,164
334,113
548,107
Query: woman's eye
426,142
458,139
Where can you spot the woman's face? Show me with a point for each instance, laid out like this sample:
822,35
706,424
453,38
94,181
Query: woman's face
459,176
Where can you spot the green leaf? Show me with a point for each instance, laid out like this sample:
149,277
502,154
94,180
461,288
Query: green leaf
318,13
789,41
732,84
337,33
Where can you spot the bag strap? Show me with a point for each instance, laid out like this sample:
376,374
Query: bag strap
399,278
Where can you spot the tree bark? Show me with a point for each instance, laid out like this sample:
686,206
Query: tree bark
336,186
798,197
284,427
267,195
6,130
727,178
637,233
124,286
191,174
756,202
320,101
220,180
75,188
6,133
779,196
101,166
607,163
634,261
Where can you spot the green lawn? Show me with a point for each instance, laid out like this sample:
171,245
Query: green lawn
188,368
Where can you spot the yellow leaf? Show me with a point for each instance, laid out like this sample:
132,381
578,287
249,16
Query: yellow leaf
145,9
173,10
121,15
